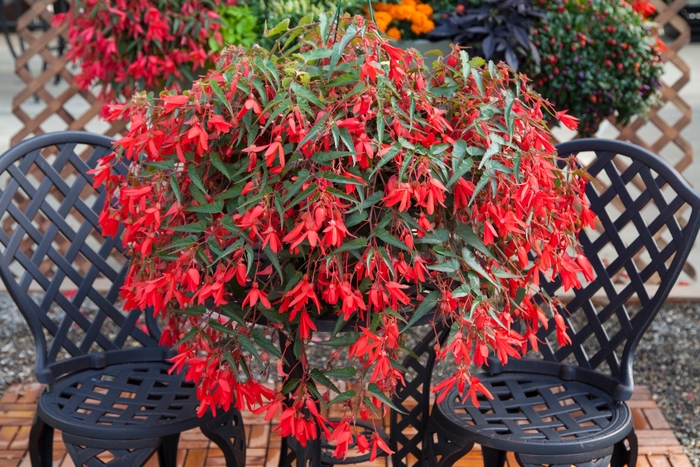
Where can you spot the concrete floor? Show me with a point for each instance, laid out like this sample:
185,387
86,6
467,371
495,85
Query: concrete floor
10,85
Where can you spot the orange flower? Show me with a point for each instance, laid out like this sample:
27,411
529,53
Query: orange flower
383,19
394,33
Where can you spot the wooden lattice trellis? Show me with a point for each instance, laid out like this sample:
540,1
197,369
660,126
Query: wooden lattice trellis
671,134
42,44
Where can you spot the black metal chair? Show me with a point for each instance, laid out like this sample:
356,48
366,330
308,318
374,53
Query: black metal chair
108,387
566,404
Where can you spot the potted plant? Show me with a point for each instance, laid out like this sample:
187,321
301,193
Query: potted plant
335,177
126,46
598,59
498,30
405,20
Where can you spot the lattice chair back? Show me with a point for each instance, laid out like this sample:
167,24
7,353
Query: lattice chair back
62,273
637,252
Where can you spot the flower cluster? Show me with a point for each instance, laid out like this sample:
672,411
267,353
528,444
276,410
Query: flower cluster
407,19
598,59
124,46
336,178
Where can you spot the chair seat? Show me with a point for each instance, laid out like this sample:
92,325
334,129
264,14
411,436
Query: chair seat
536,414
127,401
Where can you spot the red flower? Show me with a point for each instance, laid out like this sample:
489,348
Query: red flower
568,121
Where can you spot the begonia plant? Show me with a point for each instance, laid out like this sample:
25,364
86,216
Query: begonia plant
599,59
335,177
126,46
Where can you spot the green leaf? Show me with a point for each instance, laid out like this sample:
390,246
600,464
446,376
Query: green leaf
289,387
519,296
192,311
220,94
483,181
280,28
323,379
210,208
304,93
220,327
461,291
463,167
196,178
478,80
448,266
175,185
318,126
459,151
200,226
220,166
264,342
302,177
321,157
275,261
444,252
338,47
344,373
233,312
182,243
501,274
437,149
343,80
190,334
376,392
356,218
391,153
508,113
343,340
315,54
355,244
303,195
248,345
470,238
335,178
466,67
340,194
473,263
347,138
343,396
386,237
495,148
425,306
436,237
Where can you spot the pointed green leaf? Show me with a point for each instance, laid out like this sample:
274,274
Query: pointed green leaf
425,306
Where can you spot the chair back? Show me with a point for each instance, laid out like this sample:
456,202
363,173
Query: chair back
648,220
61,272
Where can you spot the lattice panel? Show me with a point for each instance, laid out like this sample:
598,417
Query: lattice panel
51,242
641,230
50,100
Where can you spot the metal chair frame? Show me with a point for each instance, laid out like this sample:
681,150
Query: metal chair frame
110,393
567,405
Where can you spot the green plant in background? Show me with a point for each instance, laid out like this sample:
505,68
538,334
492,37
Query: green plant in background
240,26
599,58
275,11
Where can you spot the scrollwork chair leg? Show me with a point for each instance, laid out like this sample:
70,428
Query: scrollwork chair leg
440,450
115,453
228,433
41,444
